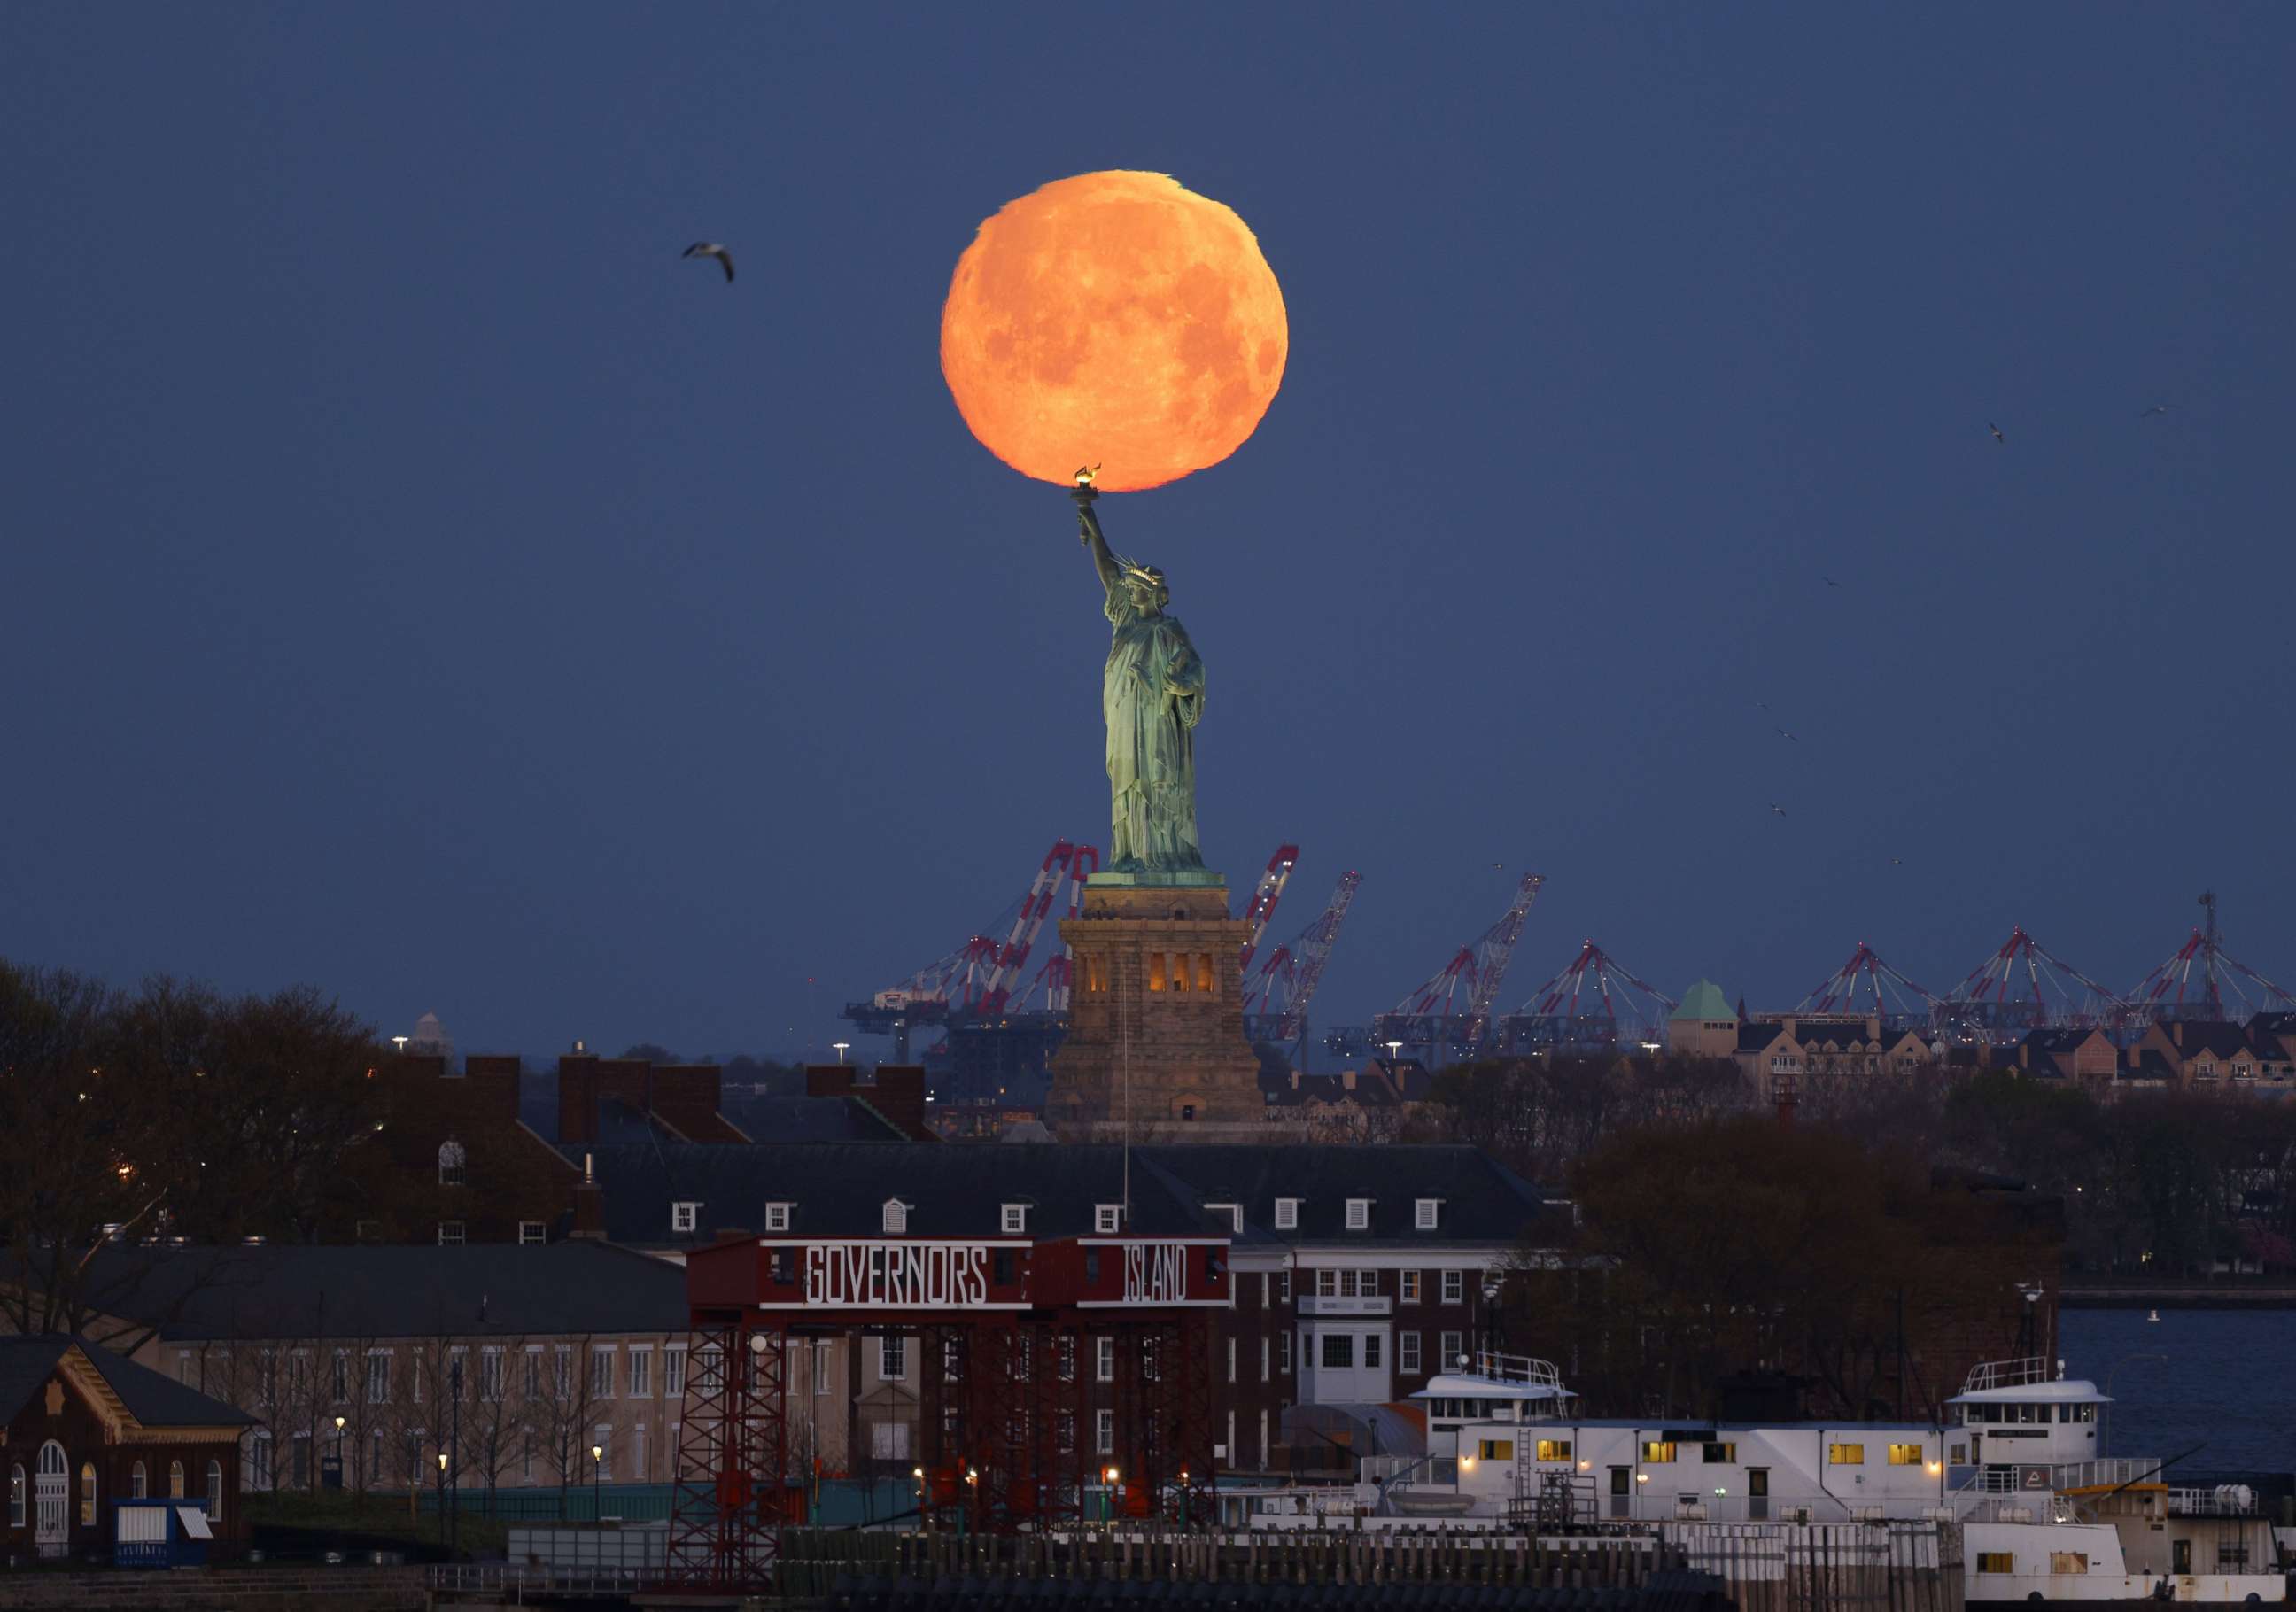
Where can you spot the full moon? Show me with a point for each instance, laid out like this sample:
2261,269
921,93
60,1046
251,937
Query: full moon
1115,319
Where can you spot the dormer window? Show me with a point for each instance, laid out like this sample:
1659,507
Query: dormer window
1427,1213
1229,1214
1012,1220
1358,1213
1107,1218
777,1217
896,1218
1287,1213
684,1216
450,1162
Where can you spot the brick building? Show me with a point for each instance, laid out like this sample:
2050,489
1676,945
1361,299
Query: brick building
1355,1270
84,1428
355,1352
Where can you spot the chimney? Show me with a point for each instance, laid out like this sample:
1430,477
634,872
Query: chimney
578,1096
589,1204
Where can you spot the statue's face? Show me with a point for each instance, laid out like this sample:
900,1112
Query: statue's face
1148,592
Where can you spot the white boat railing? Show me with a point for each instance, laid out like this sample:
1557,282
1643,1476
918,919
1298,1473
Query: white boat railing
2225,1500
1523,1369
2009,1374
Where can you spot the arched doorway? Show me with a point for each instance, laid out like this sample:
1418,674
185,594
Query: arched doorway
50,1494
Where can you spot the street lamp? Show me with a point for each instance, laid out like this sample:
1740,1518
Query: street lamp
841,1047
1107,1496
442,1500
1394,1051
597,1466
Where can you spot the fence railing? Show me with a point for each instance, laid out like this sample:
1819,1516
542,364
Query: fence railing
500,1578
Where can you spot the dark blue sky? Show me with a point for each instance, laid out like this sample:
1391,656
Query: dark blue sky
418,581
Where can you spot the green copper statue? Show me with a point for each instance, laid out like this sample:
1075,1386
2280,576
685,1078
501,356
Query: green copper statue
1152,695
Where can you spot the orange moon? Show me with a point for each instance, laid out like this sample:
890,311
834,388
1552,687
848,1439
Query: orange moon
1116,319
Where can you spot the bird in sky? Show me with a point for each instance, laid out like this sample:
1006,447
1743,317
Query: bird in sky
1829,581
1777,810
1783,734
2158,409
1896,862
1996,429
710,249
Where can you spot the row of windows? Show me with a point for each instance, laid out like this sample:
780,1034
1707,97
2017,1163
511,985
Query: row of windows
53,1466
566,1457
455,1234
2027,1415
453,1378
1426,1214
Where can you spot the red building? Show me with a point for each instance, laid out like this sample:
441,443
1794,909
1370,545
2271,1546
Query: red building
86,1427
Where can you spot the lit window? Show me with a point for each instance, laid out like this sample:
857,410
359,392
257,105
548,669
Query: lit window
1658,1452
1495,1449
777,1217
1407,1287
1905,1455
1720,1455
1845,1455
1107,1218
1014,1219
1553,1449
88,1492
1358,1213
1287,1213
684,1216
2076,1561
450,1162
1996,1561
897,1217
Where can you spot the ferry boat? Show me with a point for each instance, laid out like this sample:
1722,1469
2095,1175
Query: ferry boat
2044,1514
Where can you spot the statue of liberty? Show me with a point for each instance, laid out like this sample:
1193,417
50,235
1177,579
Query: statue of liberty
1152,694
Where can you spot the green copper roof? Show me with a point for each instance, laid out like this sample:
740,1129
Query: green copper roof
1703,1000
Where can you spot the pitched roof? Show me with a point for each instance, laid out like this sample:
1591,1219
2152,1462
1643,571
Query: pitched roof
838,1189
1756,1033
1703,1000
1482,1201
292,1291
808,1119
152,1398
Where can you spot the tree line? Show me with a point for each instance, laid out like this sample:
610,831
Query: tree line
2156,1185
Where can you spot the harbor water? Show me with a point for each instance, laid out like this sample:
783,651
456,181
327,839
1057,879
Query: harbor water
2226,1381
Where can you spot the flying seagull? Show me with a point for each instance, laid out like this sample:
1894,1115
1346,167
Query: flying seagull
1783,734
710,249
1996,429
1777,810
2158,409
1896,862
1086,474
1827,580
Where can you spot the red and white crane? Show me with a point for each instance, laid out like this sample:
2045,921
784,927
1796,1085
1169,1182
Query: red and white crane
1269,891
1590,1006
1866,979
1027,922
2025,986
1275,999
2161,994
1451,1011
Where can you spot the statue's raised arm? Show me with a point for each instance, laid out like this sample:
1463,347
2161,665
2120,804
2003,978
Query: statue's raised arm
1088,533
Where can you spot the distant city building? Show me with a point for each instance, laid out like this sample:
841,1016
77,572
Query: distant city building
431,1038
1704,1026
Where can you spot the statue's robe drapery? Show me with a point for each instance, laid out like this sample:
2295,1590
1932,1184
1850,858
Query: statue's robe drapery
1152,695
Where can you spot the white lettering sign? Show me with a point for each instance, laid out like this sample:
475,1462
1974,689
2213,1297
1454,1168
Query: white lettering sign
1155,1274
897,1276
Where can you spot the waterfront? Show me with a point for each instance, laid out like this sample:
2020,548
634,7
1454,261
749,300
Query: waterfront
2224,1383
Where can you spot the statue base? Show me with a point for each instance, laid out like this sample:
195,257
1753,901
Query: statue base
1179,878
1155,1050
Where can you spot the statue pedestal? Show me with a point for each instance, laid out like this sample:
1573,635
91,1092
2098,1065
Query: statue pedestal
1155,1046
